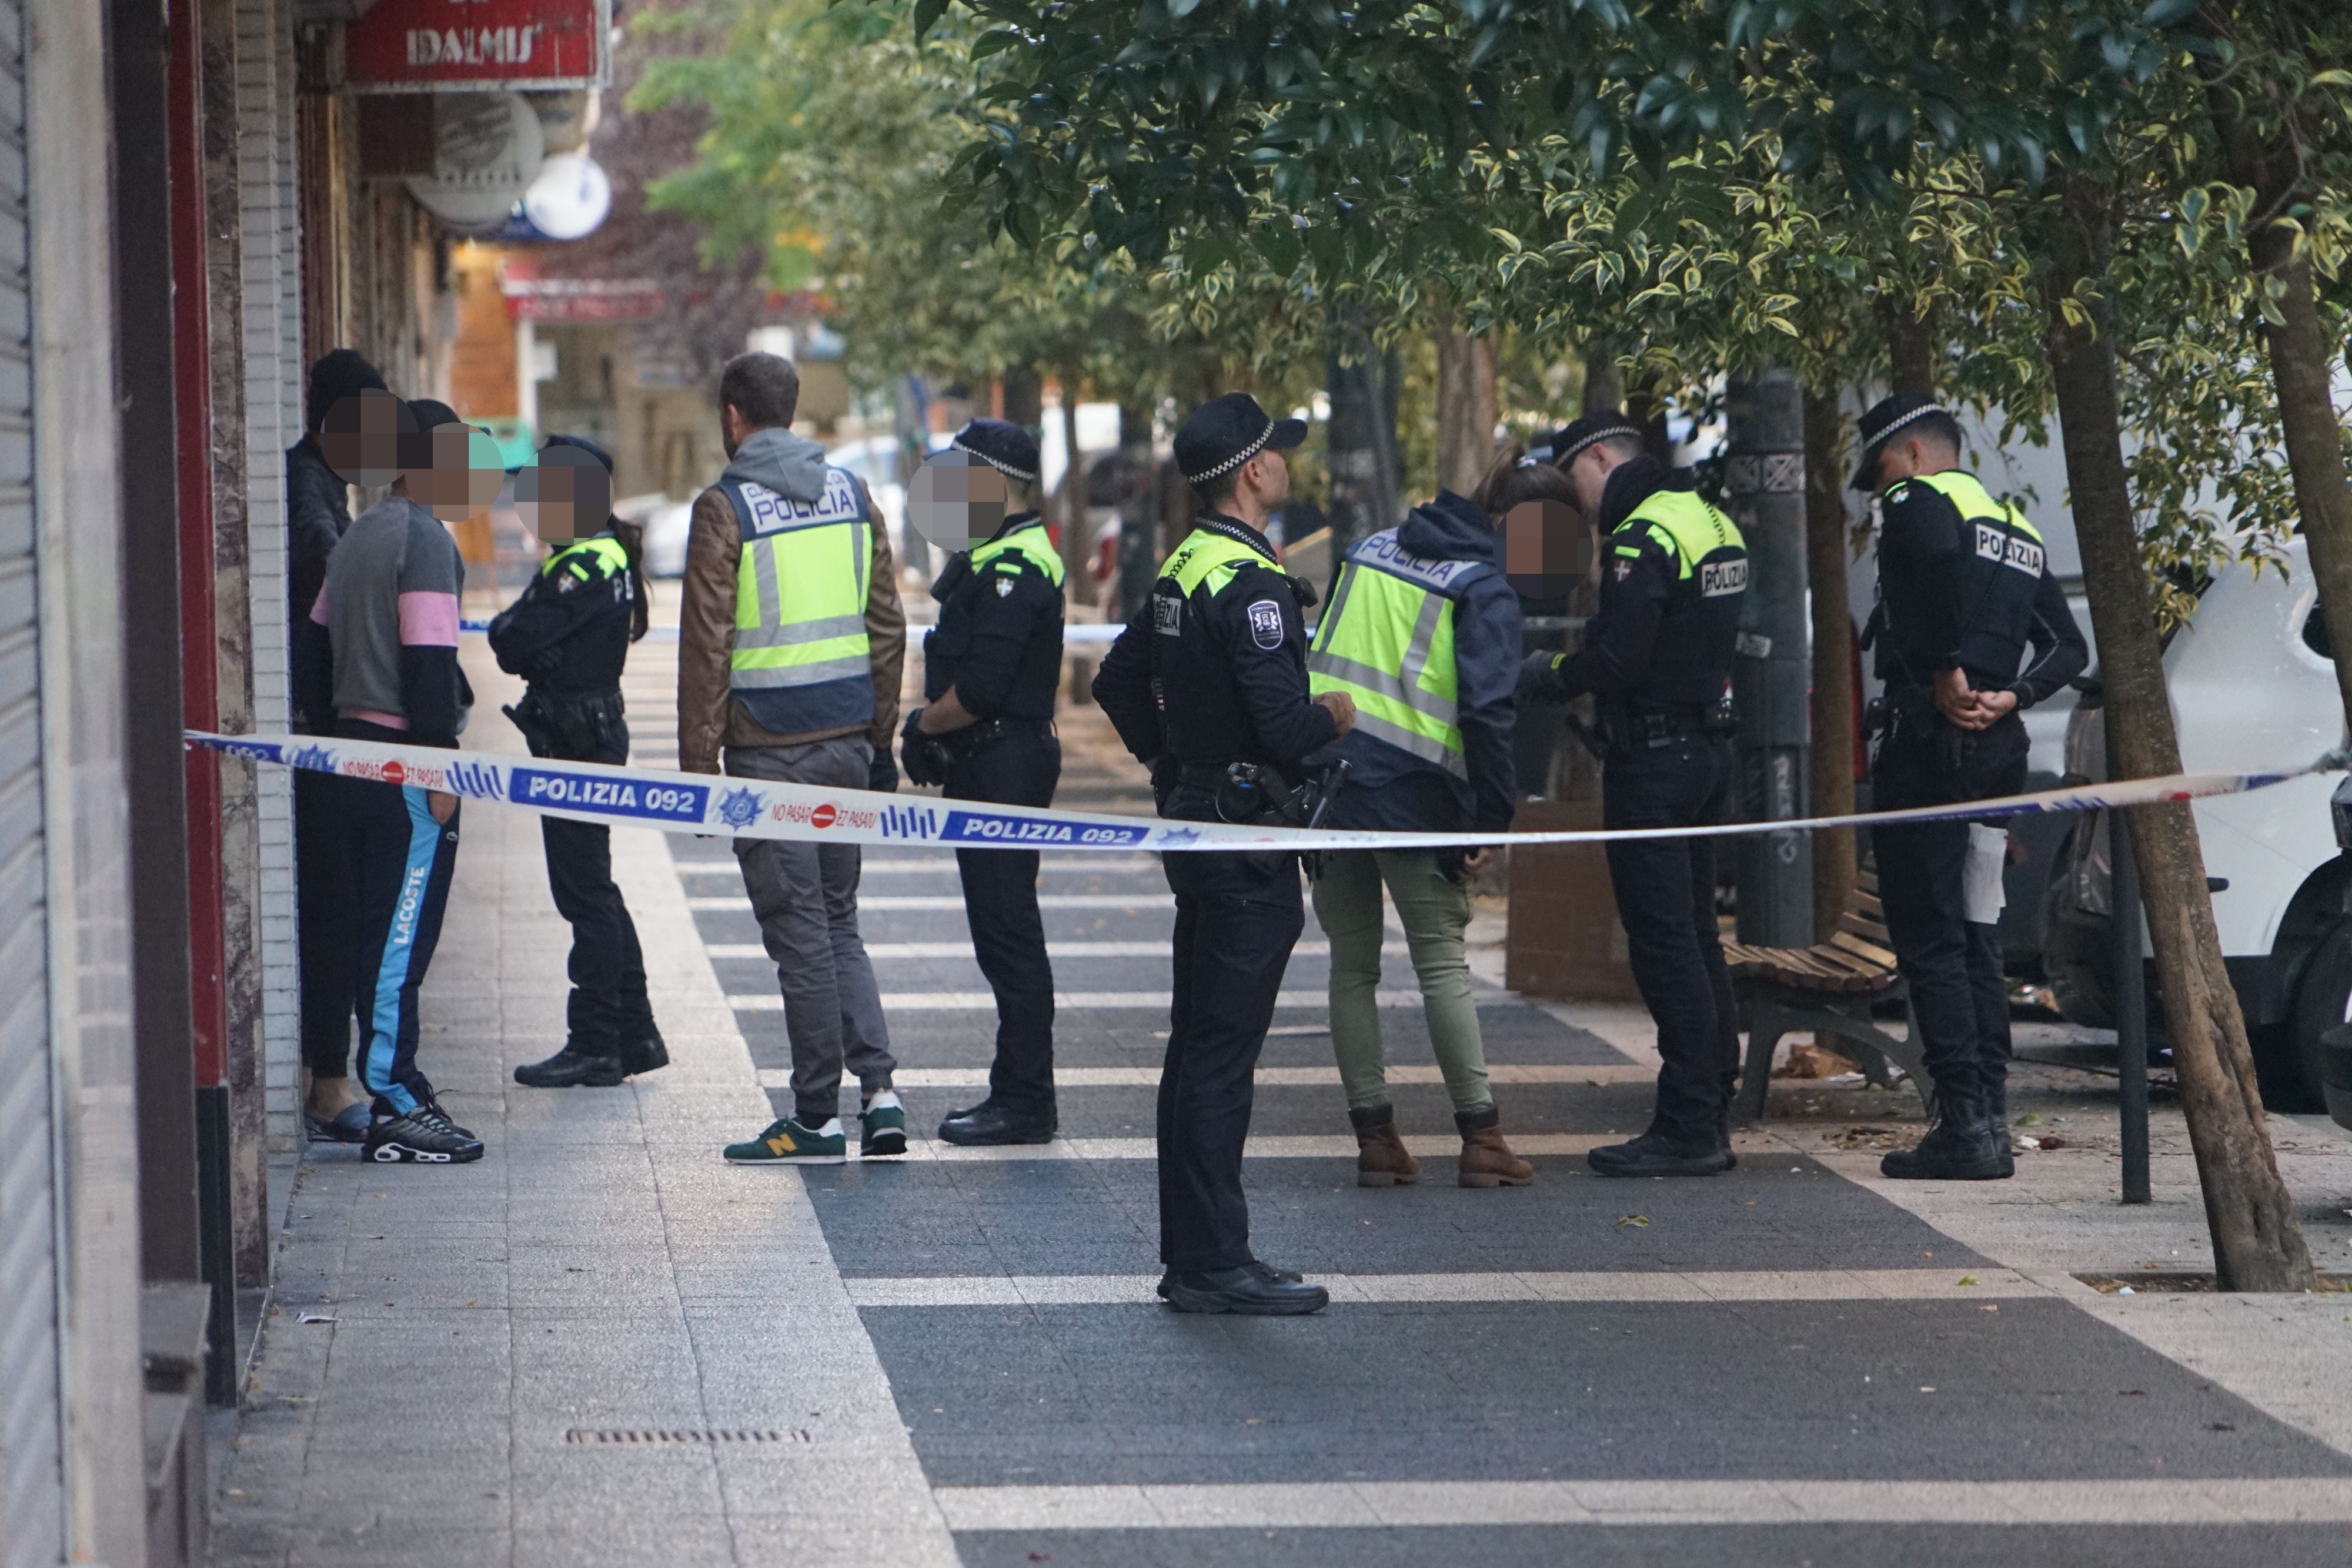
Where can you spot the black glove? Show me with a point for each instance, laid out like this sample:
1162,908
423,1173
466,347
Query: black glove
1539,677
922,754
882,773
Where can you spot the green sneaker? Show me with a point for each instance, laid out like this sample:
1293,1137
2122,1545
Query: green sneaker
884,1121
787,1142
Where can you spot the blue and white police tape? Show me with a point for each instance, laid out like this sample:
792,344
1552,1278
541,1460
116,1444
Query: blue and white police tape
759,808
1078,633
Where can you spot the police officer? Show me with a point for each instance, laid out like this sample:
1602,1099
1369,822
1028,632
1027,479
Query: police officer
1963,588
1657,656
991,671
568,636
1209,687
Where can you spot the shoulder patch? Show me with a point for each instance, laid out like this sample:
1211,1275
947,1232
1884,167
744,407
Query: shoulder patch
1003,585
1265,624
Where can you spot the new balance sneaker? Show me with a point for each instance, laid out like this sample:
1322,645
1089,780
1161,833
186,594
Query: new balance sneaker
789,1141
882,1126
423,1137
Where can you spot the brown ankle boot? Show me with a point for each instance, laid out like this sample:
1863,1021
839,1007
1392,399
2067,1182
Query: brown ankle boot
1487,1159
1381,1159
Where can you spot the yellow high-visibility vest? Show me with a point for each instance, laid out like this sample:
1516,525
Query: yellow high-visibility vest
800,586
1387,641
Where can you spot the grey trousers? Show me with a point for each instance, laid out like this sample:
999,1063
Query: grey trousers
805,897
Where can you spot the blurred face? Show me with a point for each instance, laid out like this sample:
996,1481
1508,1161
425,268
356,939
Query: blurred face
957,501
1546,548
564,495
465,473
361,438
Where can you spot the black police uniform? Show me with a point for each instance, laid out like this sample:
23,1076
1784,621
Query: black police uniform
568,636
1657,654
1970,592
999,645
1204,679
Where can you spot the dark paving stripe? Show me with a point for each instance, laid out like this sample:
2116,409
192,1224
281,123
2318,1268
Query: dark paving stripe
1765,1390
1672,1546
1068,1216
1320,1109
1514,1032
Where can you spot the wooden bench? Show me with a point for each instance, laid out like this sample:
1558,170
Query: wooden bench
1828,989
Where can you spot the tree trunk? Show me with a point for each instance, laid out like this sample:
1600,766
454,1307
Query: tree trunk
1832,700
1604,385
2257,1244
1023,393
1466,406
2302,362
1074,494
1910,347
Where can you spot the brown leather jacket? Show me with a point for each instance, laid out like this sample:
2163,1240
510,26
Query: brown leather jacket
708,717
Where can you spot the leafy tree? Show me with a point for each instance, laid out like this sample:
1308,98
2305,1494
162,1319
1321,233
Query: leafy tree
1388,134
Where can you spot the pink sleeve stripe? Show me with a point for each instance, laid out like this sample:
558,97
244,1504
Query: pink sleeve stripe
429,620
319,606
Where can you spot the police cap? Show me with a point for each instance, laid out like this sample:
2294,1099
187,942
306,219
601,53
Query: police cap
1886,416
1560,447
1226,431
1002,445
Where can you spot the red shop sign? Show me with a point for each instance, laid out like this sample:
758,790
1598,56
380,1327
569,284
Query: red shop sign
463,46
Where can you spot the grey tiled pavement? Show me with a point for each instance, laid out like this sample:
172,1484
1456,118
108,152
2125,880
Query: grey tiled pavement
601,1271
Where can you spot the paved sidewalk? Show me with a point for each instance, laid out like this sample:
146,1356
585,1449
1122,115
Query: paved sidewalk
602,1346
599,1344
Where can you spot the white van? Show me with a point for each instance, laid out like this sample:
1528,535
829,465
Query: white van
2253,687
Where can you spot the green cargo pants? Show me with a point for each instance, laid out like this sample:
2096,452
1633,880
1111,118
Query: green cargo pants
1434,911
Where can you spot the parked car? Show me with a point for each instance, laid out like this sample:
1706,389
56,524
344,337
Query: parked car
2252,683
665,522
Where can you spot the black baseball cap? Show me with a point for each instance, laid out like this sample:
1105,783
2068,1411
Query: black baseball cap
1002,445
1886,416
1226,431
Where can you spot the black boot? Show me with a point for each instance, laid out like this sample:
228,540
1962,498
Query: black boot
1253,1291
1958,1147
644,1053
582,1063
1997,1112
991,1122
1662,1153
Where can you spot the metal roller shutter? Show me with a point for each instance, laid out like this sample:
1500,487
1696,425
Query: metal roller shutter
31,1508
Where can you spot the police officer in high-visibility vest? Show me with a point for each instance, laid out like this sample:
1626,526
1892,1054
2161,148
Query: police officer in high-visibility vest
1208,687
1657,656
567,637
1963,589
791,642
986,732
1423,633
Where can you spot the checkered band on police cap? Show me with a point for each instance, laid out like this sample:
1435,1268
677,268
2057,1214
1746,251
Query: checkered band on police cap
1002,445
1589,431
1255,447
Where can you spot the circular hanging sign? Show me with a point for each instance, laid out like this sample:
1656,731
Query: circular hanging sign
570,198
486,150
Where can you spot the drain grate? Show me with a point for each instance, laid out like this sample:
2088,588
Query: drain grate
645,1437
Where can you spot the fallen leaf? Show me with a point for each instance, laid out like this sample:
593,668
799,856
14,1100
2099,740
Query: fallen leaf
1970,1279
315,1318
1640,1219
